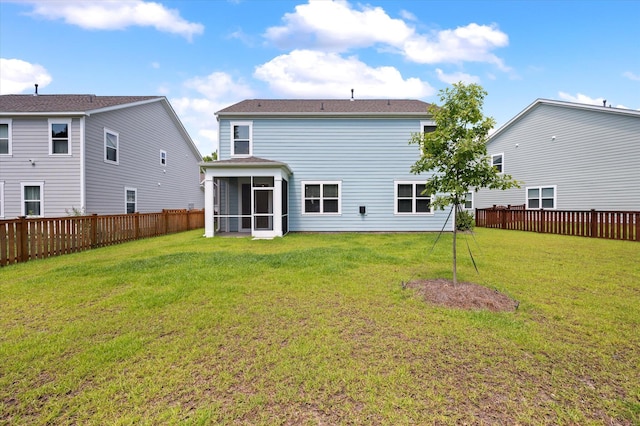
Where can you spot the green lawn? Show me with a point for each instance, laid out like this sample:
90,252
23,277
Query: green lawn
317,329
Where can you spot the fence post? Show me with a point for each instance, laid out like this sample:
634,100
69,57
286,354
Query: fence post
541,220
504,219
136,225
594,224
23,231
165,220
94,230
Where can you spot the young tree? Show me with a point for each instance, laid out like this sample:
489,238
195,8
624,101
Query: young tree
456,152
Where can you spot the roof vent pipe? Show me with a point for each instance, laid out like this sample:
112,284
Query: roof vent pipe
352,94
604,103
36,94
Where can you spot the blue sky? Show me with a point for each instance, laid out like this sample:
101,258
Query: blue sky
206,55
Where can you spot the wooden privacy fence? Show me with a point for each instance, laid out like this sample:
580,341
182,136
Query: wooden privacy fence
615,225
26,239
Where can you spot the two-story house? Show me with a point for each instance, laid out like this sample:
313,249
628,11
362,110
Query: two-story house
319,165
568,156
64,154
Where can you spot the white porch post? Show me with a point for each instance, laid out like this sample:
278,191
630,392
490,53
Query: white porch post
277,205
209,227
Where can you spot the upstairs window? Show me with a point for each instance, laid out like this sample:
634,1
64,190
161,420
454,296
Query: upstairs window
497,162
163,157
111,146
59,137
241,143
427,126
5,137
409,198
541,197
321,197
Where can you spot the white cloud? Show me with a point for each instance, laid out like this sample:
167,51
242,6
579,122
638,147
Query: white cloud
580,98
18,75
456,77
335,26
631,76
584,99
408,16
219,85
307,73
117,15
472,43
338,27
212,93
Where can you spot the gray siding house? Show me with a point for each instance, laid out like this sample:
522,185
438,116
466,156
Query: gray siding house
318,165
568,156
94,154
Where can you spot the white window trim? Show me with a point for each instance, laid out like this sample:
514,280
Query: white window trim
9,123
66,121
395,199
241,123
501,154
2,199
163,157
117,135
464,202
321,183
135,191
426,123
22,200
540,188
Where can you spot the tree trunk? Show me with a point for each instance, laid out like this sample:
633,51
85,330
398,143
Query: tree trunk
455,233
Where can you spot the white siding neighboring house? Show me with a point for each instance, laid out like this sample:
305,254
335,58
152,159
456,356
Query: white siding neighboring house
318,165
94,154
568,156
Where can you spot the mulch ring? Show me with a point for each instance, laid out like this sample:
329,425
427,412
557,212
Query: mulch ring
442,292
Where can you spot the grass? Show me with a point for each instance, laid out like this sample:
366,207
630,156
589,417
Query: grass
316,329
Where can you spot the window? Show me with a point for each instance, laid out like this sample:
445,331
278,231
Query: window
410,200
131,200
5,137
427,126
59,137
541,197
497,162
111,146
241,133
163,157
1,199
32,198
468,200
321,197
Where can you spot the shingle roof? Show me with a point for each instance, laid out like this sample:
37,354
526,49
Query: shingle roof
65,103
327,106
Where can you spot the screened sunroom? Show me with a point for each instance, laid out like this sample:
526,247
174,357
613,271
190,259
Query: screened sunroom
246,196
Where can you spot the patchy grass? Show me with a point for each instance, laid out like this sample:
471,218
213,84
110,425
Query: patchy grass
317,329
